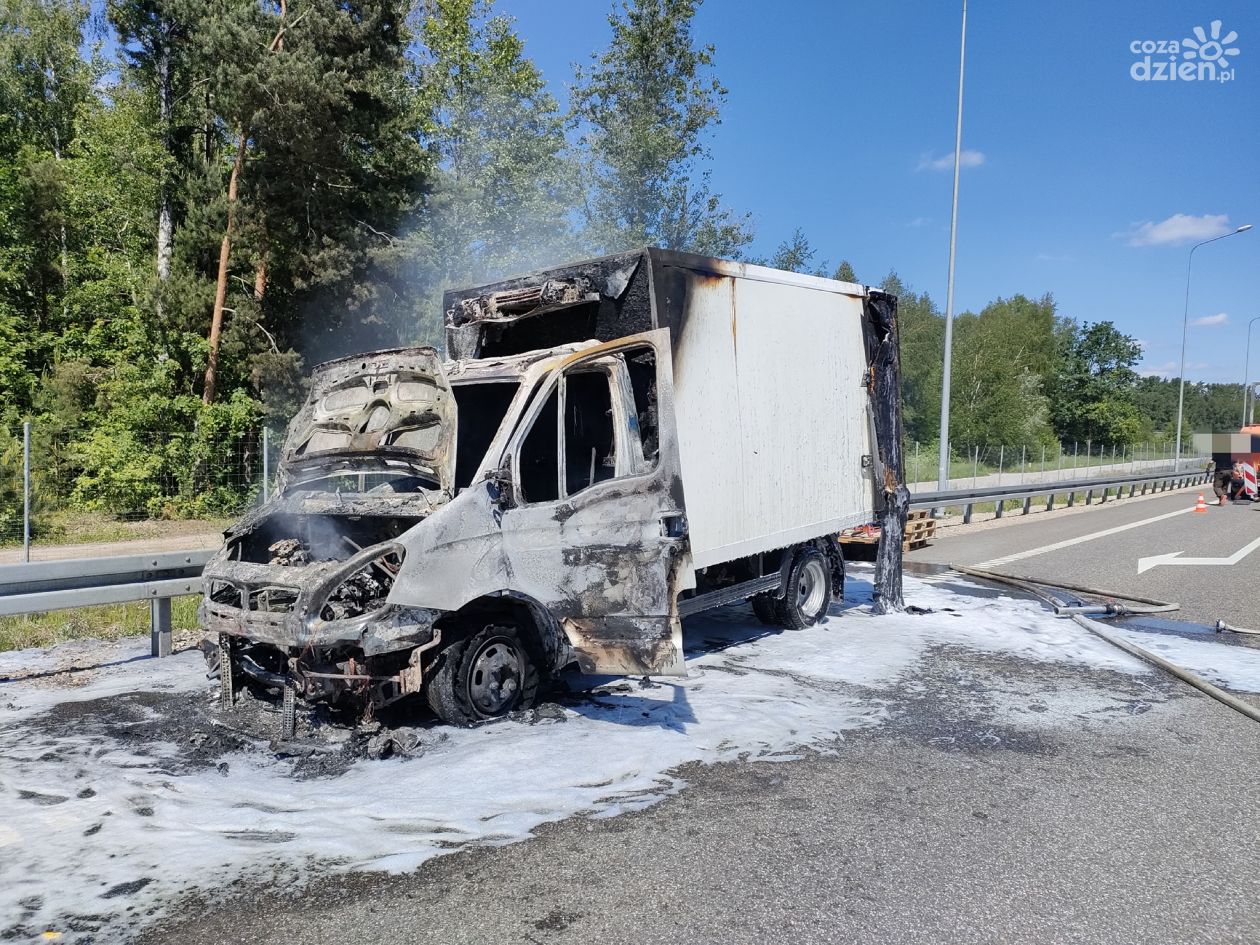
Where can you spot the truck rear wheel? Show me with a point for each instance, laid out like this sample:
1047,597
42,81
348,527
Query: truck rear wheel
808,591
766,607
483,676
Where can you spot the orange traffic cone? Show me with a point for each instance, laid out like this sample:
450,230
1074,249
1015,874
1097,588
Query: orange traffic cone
1200,506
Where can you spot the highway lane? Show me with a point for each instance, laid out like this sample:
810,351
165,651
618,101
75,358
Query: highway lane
1104,547
1116,810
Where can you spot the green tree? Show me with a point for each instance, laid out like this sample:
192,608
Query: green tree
1096,387
844,272
505,188
1002,358
644,108
45,84
154,39
922,352
796,254
316,101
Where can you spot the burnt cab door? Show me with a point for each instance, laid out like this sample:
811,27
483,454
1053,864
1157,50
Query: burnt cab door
596,520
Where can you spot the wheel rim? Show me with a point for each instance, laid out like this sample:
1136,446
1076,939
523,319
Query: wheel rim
495,675
811,588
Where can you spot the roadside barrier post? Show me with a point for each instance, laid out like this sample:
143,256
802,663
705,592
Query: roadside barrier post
160,626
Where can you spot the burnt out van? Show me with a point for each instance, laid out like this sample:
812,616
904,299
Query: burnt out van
604,448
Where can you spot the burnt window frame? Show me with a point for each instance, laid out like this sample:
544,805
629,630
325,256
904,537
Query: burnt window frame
541,399
478,474
620,427
627,444
642,465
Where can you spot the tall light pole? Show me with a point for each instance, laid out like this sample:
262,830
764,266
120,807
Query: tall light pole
942,472
1247,368
1185,324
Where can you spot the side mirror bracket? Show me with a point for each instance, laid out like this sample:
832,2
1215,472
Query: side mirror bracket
499,485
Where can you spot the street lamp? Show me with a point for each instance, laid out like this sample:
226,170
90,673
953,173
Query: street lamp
942,469
1247,367
1185,324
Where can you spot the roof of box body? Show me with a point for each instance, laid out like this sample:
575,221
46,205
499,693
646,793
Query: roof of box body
667,257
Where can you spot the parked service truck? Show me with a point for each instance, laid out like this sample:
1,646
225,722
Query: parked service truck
609,446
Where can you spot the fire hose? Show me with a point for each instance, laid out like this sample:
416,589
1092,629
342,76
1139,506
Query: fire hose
1078,614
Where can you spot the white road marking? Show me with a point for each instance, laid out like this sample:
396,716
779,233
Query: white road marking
1068,543
1145,564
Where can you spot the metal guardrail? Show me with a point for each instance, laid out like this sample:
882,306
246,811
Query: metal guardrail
88,582
969,498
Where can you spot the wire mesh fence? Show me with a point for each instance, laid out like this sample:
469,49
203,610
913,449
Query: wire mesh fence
987,464
98,485
102,485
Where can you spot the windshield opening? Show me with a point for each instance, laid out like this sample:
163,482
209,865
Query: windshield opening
480,408
367,481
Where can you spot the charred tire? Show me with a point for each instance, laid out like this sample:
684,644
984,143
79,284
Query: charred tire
766,607
483,676
808,590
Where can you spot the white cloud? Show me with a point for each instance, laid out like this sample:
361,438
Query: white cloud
1208,321
919,221
1178,229
969,158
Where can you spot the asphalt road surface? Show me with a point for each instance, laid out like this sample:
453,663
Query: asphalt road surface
1124,546
1134,823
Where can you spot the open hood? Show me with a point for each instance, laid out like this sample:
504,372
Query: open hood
385,407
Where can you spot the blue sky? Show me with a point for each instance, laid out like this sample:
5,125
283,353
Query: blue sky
837,111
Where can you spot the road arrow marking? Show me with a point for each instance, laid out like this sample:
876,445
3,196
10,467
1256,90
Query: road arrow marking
1145,564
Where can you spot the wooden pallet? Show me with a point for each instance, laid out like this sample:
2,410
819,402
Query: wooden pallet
920,529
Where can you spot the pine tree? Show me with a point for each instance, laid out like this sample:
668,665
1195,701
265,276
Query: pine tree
505,187
797,255
325,165
644,109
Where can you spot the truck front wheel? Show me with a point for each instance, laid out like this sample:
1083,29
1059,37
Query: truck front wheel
482,676
808,590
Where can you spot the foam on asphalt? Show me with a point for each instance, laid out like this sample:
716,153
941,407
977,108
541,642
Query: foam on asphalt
108,821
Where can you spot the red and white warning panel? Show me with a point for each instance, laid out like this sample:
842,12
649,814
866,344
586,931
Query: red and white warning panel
1229,448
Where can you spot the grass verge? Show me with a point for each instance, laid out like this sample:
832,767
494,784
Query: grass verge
109,622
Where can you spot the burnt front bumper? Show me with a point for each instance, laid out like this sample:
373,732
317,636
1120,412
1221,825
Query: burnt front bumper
272,625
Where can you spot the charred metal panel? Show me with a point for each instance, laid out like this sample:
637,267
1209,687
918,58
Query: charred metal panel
883,344
386,404
600,299
600,561
604,560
